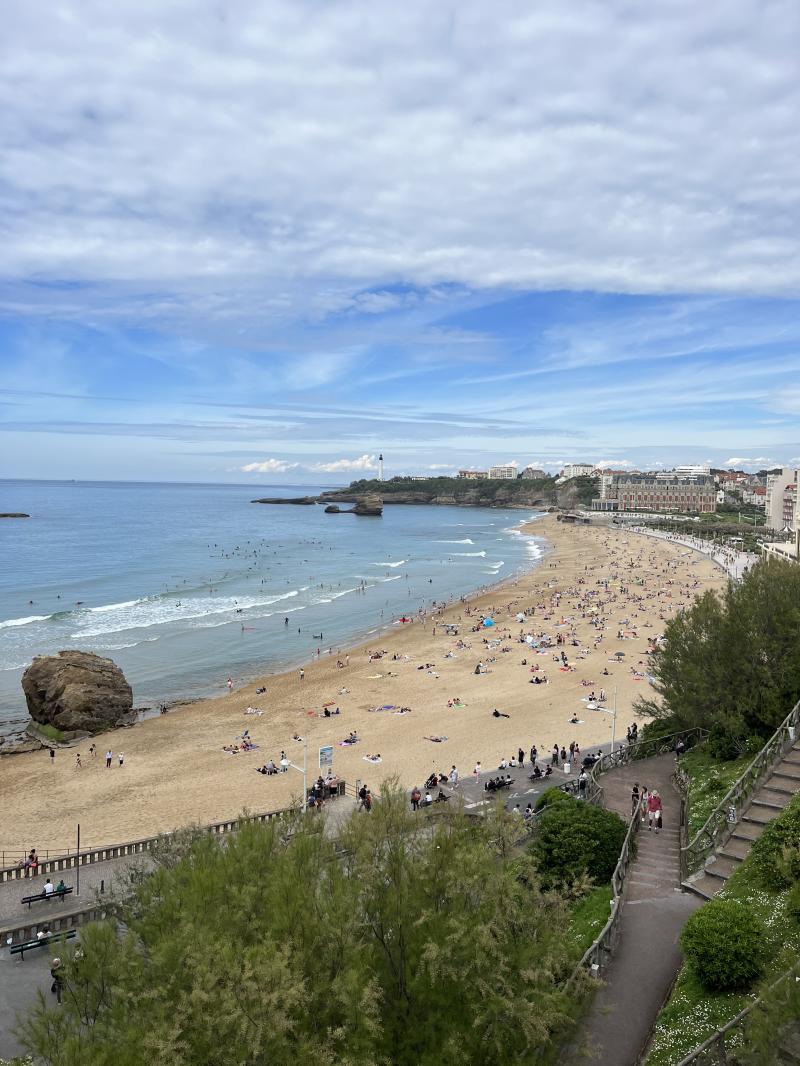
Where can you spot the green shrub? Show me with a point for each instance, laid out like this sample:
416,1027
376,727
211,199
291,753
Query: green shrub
724,944
754,744
577,839
550,796
793,903
775,856
723,744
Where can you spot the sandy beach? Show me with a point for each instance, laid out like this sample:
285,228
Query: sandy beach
602,591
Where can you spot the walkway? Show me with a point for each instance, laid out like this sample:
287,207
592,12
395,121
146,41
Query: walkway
735,563
647,955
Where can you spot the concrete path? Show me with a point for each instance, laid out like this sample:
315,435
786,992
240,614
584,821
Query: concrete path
647,955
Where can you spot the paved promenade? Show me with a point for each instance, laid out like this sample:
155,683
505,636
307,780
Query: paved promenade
735,563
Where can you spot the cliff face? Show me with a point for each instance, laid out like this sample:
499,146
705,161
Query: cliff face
470,498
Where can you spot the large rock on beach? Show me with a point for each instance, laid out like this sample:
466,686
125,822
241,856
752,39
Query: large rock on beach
77,690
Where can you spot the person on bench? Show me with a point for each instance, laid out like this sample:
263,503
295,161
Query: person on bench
42,934
61,887
48,888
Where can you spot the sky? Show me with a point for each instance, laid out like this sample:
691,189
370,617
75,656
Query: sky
268,242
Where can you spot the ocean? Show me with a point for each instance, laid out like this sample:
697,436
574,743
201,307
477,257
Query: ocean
184,585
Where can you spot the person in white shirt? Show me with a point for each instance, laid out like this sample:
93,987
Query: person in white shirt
49,888
453,777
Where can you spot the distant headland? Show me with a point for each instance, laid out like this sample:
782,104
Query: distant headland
523,493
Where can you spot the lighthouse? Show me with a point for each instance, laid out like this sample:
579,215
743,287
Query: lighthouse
380,467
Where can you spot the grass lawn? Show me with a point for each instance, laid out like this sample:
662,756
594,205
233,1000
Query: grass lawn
589,915
709,780
691,1014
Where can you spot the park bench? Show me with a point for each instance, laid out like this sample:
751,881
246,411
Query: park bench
20,949
46,895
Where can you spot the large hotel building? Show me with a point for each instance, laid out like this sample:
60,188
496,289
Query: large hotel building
643,492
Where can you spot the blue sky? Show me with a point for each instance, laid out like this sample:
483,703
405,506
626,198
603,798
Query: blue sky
270,241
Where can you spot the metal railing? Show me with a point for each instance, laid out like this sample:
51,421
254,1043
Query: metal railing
599,951
722,821
717,1049
68,861
641,749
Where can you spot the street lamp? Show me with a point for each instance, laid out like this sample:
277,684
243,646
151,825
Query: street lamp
304,771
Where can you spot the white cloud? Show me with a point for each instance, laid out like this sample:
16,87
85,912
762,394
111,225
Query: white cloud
758,460
195,161
269,466
615,464
341,466
440,466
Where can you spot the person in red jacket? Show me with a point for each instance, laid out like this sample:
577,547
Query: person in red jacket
654,809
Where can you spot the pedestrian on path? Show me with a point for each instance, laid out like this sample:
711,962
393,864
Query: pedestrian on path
453,777
643,803
121,757
654,809
109,757
78,761
416,796
52,756
635,798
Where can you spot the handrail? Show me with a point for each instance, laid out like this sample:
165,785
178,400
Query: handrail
719,825
598,952
135,847
642,749
716,1045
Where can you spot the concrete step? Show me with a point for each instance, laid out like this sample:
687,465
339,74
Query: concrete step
749,831
788,774
770,797
786,786
791,758
759,815
736,849
706,887
723,867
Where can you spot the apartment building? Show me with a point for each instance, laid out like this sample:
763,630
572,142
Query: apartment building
781,499
503,473
473,475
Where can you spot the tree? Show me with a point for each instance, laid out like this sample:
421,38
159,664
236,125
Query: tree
733,659
401,942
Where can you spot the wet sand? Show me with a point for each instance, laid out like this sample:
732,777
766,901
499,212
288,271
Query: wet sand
175,770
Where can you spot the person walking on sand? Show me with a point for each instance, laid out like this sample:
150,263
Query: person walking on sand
109,757
302,674
78,761
121,757
230,685
654,809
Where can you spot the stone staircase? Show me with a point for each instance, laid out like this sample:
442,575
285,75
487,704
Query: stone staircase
767,803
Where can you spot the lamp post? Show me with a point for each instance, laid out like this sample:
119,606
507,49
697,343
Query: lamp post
304,771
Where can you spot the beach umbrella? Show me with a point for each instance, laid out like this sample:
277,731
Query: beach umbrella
488,622
619,654
520,617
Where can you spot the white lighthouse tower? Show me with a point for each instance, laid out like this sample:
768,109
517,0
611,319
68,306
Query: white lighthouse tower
380,467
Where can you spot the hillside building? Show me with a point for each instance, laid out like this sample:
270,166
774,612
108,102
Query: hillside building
503,473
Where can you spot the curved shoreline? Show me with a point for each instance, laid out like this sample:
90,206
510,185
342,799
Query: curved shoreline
175,769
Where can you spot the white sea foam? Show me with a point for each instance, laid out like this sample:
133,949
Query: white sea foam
157,611
113,606
496,566
471,555
12,623
400,563
466,540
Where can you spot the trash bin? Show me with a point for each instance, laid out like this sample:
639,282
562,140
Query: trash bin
567,768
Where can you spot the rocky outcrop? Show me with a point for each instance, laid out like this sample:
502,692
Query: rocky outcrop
371,506
77,690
